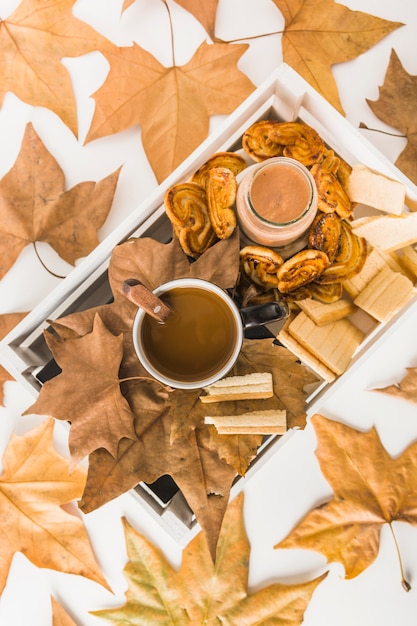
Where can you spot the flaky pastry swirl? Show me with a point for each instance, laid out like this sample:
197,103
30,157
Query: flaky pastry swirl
221,189
300,269
232,161
332,198
260,265
324,234
187,209
331,292
270,138
350,257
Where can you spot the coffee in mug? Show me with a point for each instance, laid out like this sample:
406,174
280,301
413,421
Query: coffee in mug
200,340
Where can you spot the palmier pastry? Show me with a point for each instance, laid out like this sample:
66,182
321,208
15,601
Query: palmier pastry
337,166
332,198
187,210
350,257
234,162
324,234
270,138
221,195
301,269
260,264
331,292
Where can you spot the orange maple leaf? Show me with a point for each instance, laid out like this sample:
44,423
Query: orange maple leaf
33,41
205,12
321,33
371,489
173,104
34,485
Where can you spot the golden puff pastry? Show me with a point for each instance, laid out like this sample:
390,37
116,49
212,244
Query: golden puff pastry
350,257
270,138
260,264
232,161
187,209
324,233
221,189
332,198
328,293
300,269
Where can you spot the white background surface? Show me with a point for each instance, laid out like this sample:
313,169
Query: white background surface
290,483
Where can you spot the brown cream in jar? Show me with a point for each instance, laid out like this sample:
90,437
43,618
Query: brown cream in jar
276,203
280,193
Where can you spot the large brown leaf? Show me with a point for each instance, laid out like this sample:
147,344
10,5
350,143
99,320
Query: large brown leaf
172,105
7,322
87,393
203,592
321,33
170,436
34,206
34,485
33,41
371,489
396,106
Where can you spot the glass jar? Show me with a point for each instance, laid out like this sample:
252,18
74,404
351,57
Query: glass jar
276,203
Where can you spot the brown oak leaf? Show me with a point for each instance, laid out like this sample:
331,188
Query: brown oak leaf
34,485
33,41
406,389
87,392
203,592
321,33
34,206
7,322
173,105
371,489
396,106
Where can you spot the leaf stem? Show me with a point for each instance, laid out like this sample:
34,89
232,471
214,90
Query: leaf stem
276,32
404,582
378,130
172,32
43,264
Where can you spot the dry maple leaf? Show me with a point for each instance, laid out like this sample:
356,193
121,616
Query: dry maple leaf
35,207
7,322
370,489
87,392
203,592
34,485
33,41
59,616
173,105
396,106
406,389
205,12
321,33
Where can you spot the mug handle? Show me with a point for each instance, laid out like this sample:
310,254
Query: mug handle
261,314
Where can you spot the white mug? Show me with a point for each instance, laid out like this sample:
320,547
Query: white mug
200,342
